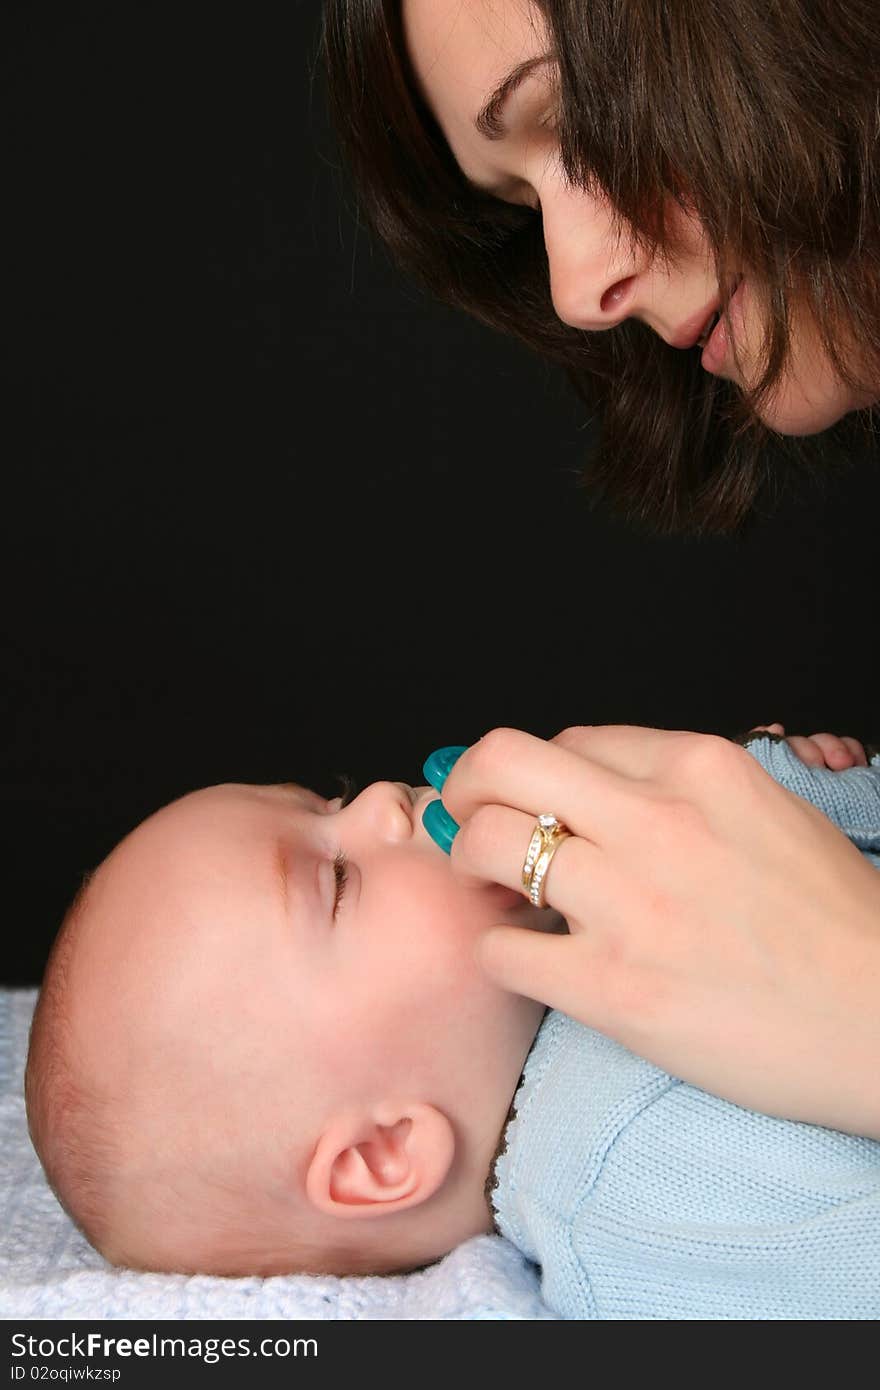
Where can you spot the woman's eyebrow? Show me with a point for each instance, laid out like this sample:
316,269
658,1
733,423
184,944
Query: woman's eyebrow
489,121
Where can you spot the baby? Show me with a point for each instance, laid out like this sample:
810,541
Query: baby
263,1045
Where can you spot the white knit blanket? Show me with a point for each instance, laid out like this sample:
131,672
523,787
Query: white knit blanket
48,1269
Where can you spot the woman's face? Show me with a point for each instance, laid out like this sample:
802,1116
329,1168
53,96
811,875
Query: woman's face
504,141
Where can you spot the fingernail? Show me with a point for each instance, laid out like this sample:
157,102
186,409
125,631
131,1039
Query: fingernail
439,825
440,764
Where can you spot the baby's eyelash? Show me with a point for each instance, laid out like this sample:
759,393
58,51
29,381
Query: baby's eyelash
340,873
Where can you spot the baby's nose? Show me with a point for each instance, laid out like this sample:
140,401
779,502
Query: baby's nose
390,808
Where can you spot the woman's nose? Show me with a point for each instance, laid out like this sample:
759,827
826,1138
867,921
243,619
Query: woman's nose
386,809
594,270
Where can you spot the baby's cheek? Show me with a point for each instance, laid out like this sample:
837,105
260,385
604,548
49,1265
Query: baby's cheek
409,970
439,920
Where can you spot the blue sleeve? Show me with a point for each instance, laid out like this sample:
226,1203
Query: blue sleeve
850,799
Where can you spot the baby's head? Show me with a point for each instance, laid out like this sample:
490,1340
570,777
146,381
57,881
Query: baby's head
263,1042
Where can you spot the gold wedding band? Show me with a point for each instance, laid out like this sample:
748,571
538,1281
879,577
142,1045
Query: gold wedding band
547,836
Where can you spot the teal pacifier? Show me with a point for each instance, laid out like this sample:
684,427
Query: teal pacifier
435,817
440,764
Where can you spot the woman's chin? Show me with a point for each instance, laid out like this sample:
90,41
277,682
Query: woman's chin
797,416
811,400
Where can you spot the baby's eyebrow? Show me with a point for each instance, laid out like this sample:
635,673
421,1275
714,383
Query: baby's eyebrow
294,868
281,874
489,120
305,792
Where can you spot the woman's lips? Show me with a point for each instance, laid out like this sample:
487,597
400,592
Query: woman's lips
715,352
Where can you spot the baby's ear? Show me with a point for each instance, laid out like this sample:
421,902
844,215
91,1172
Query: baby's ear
374,1162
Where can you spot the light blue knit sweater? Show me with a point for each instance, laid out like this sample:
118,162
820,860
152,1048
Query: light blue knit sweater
643,1197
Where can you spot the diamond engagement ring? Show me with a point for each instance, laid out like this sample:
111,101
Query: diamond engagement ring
546,839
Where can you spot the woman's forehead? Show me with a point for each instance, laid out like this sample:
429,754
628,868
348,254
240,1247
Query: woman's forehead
462,50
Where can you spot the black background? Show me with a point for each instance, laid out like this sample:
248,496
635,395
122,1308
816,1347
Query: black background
270,514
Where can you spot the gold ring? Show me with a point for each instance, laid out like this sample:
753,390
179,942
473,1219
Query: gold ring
547,836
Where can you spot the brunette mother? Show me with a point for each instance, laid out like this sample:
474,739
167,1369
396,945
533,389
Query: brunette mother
704,180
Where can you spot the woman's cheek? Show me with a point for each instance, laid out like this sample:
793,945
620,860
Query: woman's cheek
809,397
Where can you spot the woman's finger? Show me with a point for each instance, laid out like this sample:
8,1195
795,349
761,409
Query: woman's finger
531,775
677,761
629,749
491,847
563,972
595,779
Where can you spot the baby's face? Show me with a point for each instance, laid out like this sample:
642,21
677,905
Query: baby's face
265,957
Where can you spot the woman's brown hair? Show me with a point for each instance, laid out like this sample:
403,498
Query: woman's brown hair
760,116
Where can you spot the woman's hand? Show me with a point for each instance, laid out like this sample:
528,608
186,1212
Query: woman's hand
720,926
